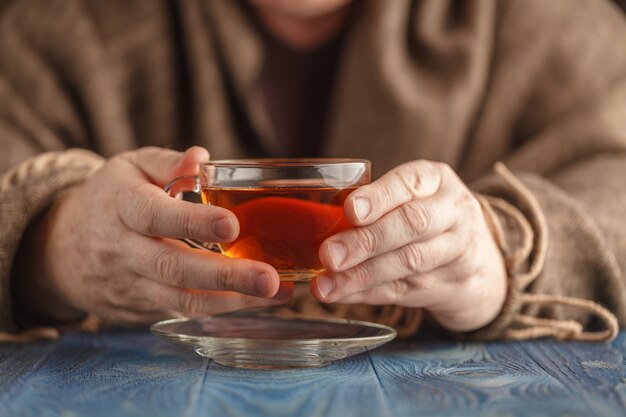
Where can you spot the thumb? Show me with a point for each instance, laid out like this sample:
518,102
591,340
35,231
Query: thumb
162,165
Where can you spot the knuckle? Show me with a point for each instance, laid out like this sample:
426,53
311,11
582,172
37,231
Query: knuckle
434,253
409,179
385,197
360,277
142,211
465,277
416,217
368,240
188,302
120,158
423,284
443,167
169,266
412,258
160,296
151,215
127,201
117,289
473,241
417,177
397,290
106,254
250,301
442,170
184,221
224,276
467,268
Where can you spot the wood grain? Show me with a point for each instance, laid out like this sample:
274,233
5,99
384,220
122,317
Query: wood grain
131,373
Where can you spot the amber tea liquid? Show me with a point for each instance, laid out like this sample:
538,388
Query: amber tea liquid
284,226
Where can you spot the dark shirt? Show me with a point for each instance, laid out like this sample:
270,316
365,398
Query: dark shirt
297,92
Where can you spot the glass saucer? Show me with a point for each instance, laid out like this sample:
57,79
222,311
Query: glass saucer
270,342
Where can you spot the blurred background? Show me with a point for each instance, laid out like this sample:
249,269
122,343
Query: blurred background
5,3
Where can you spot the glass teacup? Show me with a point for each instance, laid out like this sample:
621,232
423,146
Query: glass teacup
286,207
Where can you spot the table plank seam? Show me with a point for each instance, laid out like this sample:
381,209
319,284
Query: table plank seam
388,405
33,369
568,381
127,374
547,369
191,409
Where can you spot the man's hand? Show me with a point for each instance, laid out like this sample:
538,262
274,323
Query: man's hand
422,242
109,248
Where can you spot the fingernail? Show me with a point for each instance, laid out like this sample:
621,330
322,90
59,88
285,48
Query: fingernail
223,228
338,253
325,285
362,207
262,283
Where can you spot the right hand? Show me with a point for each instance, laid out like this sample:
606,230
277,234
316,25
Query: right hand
109,248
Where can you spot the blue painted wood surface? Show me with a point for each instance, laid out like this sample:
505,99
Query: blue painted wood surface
132,373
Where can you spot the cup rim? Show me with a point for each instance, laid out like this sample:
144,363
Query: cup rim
285,162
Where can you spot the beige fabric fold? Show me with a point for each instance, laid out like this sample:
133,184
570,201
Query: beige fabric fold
522,243
540,86
25,191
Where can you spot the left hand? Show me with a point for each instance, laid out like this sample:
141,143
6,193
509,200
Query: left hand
422,242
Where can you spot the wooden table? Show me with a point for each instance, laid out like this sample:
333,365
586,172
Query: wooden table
132,373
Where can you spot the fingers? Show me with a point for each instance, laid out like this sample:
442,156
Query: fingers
146,209
414,221
194,303
388,294
407,182
458,309
408,261
421,290
166,262
122,314
161,301
162,165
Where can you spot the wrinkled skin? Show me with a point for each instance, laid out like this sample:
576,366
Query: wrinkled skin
423,242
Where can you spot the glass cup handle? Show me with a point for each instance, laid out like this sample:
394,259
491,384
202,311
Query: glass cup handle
189,183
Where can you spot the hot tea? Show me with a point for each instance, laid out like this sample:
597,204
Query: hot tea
286,207
282,226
